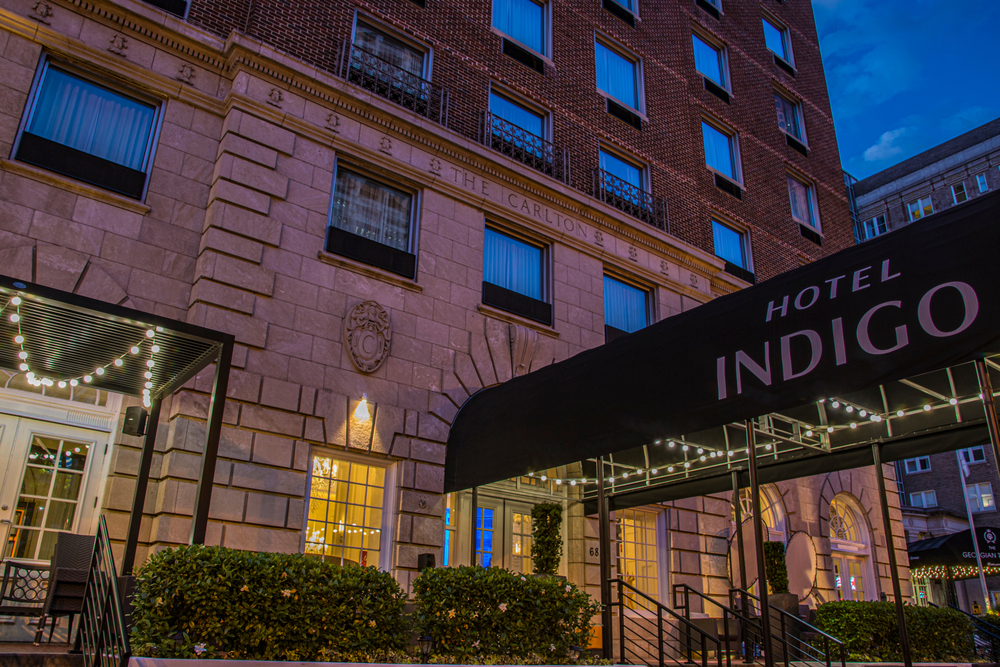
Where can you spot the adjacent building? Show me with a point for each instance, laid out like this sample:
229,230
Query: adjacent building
392,204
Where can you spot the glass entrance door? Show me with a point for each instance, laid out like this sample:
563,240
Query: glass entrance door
849,577
49,484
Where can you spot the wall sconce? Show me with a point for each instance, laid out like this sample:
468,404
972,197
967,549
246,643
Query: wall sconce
361,412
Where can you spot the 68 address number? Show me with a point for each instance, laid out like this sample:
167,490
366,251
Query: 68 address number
595,551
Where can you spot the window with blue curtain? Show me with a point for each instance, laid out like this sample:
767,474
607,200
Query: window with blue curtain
484,536
729,245
708,61
371,209
625,307
626,171
92,119
617,75
775,40
512,264
521,20
517,115
627,4
719,153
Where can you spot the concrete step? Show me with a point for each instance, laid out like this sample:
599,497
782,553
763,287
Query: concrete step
46,655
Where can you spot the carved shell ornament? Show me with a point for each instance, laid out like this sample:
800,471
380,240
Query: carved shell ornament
368,334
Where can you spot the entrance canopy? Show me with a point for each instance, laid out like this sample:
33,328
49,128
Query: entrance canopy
954,556
874,343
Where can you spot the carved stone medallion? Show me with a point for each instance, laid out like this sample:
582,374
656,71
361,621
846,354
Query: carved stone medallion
368,333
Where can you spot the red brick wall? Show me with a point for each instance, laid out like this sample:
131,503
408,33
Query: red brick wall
466,55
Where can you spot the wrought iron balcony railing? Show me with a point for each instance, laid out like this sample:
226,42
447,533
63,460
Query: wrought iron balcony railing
395,84
525,147
631,199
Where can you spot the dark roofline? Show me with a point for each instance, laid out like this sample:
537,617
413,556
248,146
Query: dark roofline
928,157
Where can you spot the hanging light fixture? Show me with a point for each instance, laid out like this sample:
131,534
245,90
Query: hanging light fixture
361,412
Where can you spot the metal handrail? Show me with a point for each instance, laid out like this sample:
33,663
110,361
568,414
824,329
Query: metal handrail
631,199
524,146
393,83
103,635
688,636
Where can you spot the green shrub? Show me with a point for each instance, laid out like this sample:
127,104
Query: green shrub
208,601
869,631
472,612
775,568
546,537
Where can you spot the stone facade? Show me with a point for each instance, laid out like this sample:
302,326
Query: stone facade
253,122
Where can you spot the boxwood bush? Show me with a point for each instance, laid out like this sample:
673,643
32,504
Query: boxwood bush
869,632
207,602
485,615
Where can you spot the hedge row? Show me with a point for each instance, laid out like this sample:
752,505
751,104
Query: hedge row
212,602
870,632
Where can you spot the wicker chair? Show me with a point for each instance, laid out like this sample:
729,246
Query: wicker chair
24,590
67,581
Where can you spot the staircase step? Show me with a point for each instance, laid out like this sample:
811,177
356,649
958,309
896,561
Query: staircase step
46,655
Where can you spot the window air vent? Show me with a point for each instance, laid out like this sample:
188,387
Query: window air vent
620,12
176,7
708,7
740,273
728,186
371,252
796,144
523,56
519,304
811,235
74,163
621,113
716,90
780,62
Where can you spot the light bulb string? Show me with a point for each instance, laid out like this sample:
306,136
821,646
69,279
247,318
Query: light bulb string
21,340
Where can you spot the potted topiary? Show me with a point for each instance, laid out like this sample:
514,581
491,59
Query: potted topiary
546,538
777,578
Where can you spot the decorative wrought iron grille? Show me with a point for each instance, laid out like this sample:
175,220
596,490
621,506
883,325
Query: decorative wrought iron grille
103,635
631,199
525,147
393,83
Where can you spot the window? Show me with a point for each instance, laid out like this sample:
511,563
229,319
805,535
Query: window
720,151
618,75
394,51
89,132
710,61
637,549
631,176
485,527
958,193
520,535
923,499
981,182
524,21
802,197
393,68
919,464
625,308
973,454
920,208
777,41
519,132
513,276
789,117
450,530
345,516
517,115
372,223
730,245
875,227
981,497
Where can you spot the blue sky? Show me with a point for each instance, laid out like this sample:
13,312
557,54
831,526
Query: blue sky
906,75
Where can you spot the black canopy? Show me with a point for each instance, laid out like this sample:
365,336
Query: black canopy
881,330
956,549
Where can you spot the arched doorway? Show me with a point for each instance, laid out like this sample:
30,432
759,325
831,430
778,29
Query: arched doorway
850,544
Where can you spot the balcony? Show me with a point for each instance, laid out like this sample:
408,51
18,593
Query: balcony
525,147
632,200
393,83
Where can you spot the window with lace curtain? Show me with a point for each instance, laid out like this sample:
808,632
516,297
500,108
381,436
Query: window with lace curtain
392,50
89,131
802,198
372,222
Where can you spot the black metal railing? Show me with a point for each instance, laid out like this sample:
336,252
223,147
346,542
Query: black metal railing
792,639
525,147
986,637
103,635
652,634
631,199
395,84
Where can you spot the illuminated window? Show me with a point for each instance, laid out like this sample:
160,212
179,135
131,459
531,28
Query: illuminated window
520,535
345,511
981,182
843,523
920,208
450,528
637,563
981,497
485,527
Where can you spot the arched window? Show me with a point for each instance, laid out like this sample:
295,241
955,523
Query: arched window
850,542
772,513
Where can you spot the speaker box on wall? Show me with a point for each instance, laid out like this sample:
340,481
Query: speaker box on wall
135,421
426,560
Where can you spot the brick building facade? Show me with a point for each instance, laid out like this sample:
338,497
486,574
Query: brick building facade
267,135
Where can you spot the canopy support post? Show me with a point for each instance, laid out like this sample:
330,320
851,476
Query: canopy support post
141,484
474,528
738,513
891,550
758,529
213,432
604,551
989,404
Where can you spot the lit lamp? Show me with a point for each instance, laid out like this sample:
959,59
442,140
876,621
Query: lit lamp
426,644
361,412
574,653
